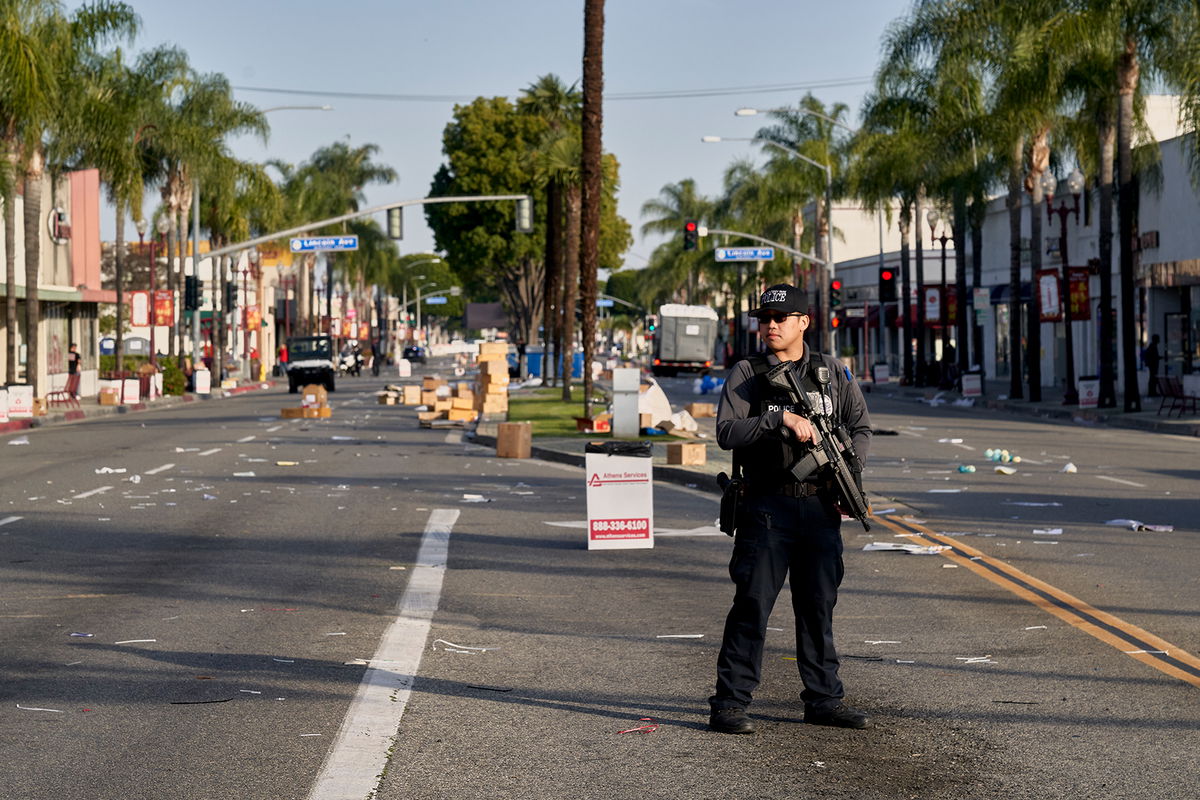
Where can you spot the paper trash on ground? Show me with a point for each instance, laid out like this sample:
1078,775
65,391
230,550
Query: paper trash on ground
915,549
1136,525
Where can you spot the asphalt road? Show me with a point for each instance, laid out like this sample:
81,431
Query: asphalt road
258,589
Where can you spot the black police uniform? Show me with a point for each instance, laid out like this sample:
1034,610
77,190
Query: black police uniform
783,527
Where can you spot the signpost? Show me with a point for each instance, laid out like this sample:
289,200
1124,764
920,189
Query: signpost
745,253
435,301
323,244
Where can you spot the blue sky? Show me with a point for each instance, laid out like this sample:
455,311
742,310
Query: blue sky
461,49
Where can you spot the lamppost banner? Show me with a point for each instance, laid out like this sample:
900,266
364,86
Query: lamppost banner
1078,293
1050,291
164,307
139,309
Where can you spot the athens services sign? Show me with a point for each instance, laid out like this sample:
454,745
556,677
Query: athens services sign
620,501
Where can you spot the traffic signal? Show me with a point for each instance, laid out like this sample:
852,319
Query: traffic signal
651,323
191,292
230,295
835,293
525,214
887,285
835,321
691,235
395,223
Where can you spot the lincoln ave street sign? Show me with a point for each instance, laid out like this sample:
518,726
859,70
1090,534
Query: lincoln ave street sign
745,253
317,244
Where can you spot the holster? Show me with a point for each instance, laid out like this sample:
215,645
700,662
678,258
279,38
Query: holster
732,491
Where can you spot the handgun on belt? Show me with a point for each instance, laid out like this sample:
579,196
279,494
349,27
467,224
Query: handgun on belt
832,447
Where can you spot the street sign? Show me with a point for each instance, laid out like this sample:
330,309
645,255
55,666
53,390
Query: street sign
745,253
604,302
435,301
319,244
856,312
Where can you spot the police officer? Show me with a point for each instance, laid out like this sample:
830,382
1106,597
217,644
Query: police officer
784,525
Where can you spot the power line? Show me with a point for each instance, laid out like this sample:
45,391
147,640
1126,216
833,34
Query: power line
665,94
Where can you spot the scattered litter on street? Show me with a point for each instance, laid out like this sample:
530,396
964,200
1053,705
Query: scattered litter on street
475,498
1047,531
976,659
949,441
1069,467
490,688
1136,525
134,479
1028,504
1146,652
284,660
187,449
342,438
1003,470
35,708
358,662
287,463
946,491
310,734
915,549
110,470
84,635
244,474
949,566
904,661
680,636
200,702
880,641
1036,628
820,764
1019,702
336,633
19,440
135,641
650,728
397,567
966,467
459,648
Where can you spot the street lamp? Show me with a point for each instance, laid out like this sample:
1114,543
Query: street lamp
252,259
1074,186
944,306
418,300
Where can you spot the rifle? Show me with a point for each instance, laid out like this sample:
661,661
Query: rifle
833,446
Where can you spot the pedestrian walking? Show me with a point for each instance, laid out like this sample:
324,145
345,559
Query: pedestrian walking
784,526
73,361
1152,358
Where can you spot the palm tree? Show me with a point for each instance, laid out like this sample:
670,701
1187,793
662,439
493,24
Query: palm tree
593,178
560,161
559,106
42,49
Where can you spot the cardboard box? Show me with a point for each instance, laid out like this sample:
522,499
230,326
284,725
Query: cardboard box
412,395
310,413
39,406
463,402
324,412
426,416
314,396
462,415
514,440
443,405
387,399
428,397
690,454
494,367
493,348
463,388
701,409
645,421
602,423
493,407
430,383
292,412
110,397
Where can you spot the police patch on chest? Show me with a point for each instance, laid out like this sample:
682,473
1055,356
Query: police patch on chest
820,403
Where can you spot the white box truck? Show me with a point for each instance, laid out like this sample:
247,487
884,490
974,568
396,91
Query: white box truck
684,339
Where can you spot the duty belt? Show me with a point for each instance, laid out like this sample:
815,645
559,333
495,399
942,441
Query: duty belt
789,489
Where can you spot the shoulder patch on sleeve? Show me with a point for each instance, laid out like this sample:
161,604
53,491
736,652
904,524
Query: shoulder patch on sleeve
849,375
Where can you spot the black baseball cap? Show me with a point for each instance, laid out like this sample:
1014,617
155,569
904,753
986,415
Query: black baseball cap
781,298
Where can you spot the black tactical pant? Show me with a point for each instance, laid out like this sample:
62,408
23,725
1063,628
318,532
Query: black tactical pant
778,535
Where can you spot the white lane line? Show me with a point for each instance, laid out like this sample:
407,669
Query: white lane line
209,452
157,470
9,520
84,495
272,430
245,439
910,433
964,446
354,764
1121,480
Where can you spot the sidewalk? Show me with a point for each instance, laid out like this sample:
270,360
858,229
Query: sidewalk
90,408
570,450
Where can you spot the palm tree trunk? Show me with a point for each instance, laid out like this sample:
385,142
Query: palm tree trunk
221,328
959,230
1013,202
553,277
592,127
119,278
1039,161
570,287
1108,391
33,262
978,215
1128,79
922,370
905,307
10,271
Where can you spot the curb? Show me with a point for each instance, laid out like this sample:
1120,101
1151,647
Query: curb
166,401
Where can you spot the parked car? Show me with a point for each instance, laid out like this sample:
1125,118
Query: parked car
415,353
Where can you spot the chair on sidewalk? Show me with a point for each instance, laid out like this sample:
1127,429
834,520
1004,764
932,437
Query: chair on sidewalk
1171,388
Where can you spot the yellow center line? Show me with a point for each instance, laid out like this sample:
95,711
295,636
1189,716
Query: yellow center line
1124,636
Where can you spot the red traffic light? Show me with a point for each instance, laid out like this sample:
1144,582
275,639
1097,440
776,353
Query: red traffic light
689,226
887,275
835,284
835,321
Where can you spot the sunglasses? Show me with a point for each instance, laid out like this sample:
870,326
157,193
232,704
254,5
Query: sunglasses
775,316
